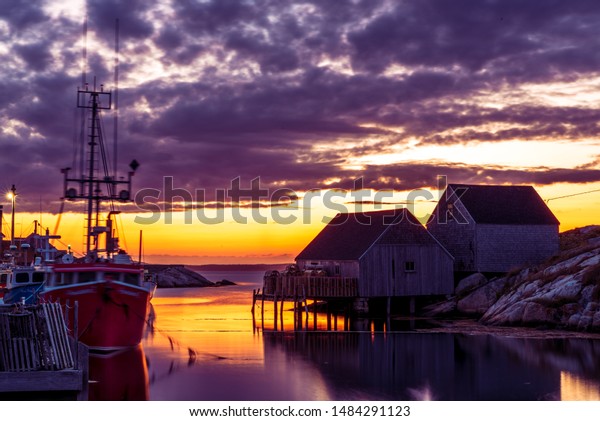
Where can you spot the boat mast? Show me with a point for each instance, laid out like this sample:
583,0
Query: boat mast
94,97
89,186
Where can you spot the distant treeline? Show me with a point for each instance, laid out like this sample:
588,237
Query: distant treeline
237,268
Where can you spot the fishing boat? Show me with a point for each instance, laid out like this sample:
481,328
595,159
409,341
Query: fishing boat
4,274
22,279
23,284
106,286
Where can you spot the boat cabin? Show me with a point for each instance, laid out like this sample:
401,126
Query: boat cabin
23,283
80,273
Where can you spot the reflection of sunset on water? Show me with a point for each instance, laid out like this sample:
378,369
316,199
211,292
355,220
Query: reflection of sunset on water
210,348
576,388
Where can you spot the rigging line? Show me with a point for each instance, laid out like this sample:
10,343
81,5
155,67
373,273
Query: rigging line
574,194
84,52
101,131
4,225
109,185
116,98
124,236
83,84
60,212
72,249
75,139
82,145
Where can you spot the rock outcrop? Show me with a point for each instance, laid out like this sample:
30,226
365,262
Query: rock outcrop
563,292
177,276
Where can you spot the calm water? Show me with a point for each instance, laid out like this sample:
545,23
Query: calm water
205,347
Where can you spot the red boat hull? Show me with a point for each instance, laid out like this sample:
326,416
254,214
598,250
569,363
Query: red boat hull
110,315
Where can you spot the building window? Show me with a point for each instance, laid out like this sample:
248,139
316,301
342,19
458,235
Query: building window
409,266
393,269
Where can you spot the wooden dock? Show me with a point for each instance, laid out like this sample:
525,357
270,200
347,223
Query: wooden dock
311,287
38,359
299,290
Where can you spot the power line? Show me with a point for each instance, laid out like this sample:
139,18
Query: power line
574,194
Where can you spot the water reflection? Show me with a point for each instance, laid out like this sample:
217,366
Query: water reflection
121,375
237,359
443,366
575,388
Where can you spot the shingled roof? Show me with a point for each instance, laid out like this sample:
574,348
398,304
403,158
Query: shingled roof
505,205
349,236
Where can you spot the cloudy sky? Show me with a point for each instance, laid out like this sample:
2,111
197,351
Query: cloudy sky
311,94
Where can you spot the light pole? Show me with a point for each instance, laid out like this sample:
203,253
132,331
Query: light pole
12,195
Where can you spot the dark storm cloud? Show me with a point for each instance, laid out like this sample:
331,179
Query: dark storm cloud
290,91
22,15
36,56
473,34
213,16
131,14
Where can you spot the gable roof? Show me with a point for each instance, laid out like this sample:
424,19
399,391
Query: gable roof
506,205
348,236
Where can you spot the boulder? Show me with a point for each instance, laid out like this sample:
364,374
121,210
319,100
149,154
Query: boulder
536,313
596,321
439,309
223,283
479,301
470,283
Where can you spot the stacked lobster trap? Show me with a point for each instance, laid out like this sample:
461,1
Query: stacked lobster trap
34,338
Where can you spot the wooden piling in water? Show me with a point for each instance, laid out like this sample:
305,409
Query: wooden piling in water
314,314
283,291
262,310
295,298
275,311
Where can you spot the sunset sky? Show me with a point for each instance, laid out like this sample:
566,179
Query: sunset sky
305,95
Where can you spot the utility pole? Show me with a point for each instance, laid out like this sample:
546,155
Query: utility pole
13,196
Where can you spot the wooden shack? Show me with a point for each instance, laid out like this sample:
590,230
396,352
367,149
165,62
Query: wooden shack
389,252
493,229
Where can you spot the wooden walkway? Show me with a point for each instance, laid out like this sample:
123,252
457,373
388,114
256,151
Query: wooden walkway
311,287
299,290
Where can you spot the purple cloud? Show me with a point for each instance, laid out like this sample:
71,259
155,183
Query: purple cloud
291,91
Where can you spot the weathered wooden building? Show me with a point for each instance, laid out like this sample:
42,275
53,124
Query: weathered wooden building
389,252
494,228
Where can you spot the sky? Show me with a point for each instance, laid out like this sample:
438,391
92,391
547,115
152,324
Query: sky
302,96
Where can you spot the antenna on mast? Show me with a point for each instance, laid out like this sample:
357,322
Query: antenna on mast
116,99
84,52
83,85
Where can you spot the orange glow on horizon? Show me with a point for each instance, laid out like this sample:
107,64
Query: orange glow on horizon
187,240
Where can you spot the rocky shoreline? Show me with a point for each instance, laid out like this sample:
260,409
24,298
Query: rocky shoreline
178,276
561,293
